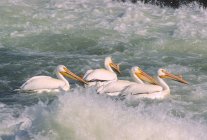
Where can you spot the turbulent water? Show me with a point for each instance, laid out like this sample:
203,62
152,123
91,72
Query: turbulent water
38,35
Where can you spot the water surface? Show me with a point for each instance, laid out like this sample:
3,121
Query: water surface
36,36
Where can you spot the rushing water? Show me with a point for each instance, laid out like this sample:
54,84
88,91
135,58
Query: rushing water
38,35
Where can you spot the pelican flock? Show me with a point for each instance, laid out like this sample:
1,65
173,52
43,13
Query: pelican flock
106,82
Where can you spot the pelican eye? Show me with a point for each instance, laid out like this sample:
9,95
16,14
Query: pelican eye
164,71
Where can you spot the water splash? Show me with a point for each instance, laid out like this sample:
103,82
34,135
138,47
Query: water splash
81,114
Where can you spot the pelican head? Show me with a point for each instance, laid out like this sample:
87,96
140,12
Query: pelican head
143,76
162,73
66,72
112,65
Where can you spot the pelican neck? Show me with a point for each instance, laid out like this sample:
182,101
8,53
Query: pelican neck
135,78
61,77
163,83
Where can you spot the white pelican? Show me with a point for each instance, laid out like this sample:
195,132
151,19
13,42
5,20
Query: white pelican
152,91
114,88
102,76
48,84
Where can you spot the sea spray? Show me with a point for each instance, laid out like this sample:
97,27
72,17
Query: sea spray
82,114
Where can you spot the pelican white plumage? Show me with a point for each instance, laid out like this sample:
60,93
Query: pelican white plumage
114,88
48,84
99,77
152,91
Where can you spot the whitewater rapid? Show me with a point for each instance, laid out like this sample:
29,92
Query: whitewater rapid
82,114
36,36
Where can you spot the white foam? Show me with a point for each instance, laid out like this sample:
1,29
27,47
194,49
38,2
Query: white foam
81,114
141,19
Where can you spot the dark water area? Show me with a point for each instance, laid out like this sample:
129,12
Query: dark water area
171,3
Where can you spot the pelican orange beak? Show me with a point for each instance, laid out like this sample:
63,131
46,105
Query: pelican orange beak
178,78
146,77
116,67
73,76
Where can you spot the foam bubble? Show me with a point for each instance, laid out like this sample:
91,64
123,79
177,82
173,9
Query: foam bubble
81,114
